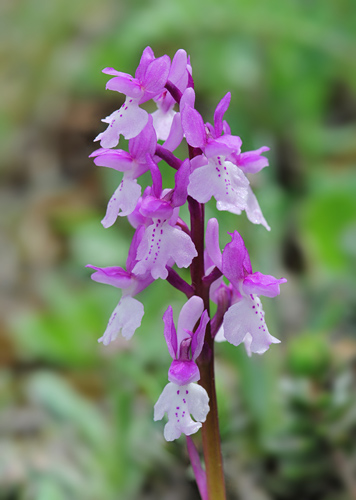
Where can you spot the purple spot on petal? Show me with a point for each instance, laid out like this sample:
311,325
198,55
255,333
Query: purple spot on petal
177,392
186,392
177,408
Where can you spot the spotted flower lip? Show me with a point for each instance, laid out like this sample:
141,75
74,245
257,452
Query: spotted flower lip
180,402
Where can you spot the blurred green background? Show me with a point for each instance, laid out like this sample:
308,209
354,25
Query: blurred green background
76,418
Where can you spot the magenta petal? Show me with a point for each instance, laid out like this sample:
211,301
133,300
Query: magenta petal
252,162
146,59
212,242
170,333
136,240
156,208
181,184
144,143
219,113
262,284
114,276
183,372
236,262
112,158
193,127
156,75
223,146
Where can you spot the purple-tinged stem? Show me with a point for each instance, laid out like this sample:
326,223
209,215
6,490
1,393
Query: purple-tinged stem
179,283
213,276
168,157
199,472
210,429
174,91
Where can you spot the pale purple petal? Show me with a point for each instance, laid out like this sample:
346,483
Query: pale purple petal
253,210
162,122
236,264
219,113
115,276
212,242
224,181
125,319
262,284
188,316
170,333
122,202
179,66
187,99
220,337
198,336
125,85
252,162
144,143
178,401
129,120
175,135
193,127
161,243
244,322
112,158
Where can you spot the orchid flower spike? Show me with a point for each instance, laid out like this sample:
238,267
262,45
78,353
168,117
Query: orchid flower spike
182,398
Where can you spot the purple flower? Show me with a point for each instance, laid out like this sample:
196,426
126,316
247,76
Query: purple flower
128,314
178,75
184,346
149,81
181,397
220,172
163,242
133,164
244,321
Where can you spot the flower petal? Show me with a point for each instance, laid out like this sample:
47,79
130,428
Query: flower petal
178,402
125,319
122,202
236,264
246,317
193,127
253,210
114,276
262,284
170,333
188,316
212,242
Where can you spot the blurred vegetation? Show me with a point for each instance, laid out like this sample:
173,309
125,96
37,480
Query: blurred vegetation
76,418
